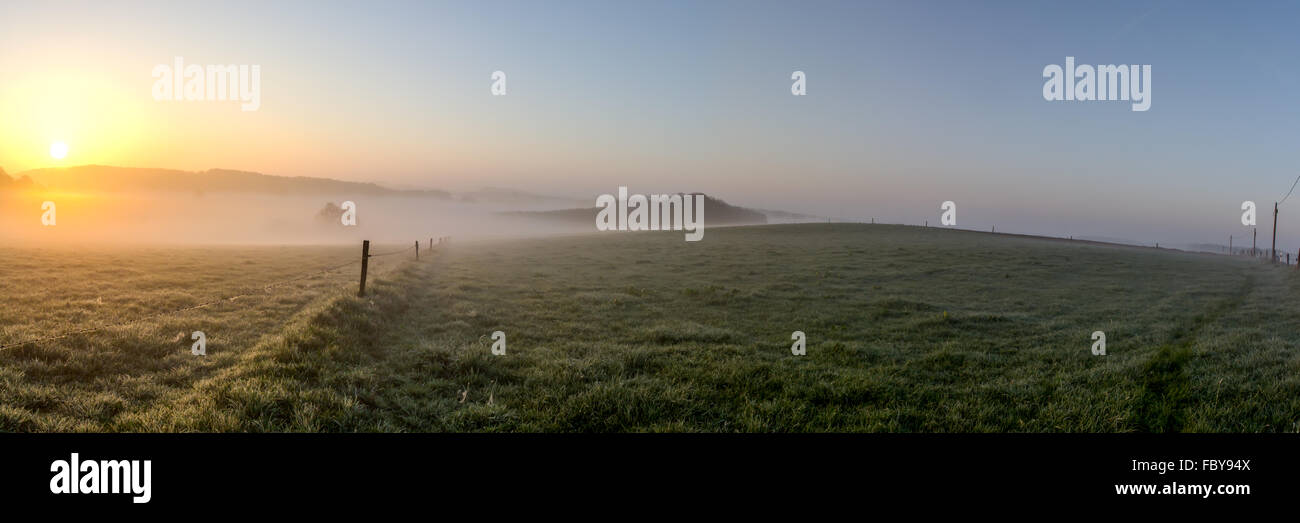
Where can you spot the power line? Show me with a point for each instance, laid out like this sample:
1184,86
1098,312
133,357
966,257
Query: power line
1288,193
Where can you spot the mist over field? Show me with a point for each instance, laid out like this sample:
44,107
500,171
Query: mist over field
116,206
97,204
251,219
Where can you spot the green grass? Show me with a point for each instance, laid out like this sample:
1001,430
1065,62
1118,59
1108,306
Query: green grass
909,329
99,381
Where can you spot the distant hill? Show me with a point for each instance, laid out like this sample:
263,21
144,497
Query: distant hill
98,178
790,217
512,196
107,179
716,212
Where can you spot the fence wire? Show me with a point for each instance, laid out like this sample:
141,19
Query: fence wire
408,249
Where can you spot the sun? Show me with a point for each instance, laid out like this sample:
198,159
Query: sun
58,150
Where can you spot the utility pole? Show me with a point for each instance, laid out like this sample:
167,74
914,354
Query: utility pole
1254,234
1272,253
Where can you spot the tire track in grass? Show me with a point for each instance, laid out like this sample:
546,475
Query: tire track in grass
1166,396
1163,402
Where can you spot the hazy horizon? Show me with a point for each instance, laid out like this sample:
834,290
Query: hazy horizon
141,209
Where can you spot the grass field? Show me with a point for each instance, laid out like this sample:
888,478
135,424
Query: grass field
909,329
102,380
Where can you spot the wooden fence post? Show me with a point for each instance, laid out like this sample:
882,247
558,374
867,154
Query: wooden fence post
365,262
417,250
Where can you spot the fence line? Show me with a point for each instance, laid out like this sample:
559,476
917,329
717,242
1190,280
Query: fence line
408,249
261,289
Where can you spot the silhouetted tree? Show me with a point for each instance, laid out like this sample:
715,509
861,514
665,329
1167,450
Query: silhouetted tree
331,214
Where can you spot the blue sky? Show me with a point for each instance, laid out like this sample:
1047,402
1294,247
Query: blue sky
909,103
